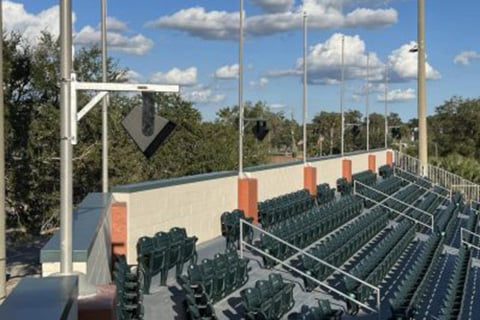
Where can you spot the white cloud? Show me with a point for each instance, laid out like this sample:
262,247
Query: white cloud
465,57
187,77
114,24
261,83
202,95
29,25
403,64
227,72
274,5
200,23
138,44
322,14
133,76
398,95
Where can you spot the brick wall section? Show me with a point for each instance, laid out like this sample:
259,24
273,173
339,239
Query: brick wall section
310,180
119,228
347,169
248,197
389,158
372,163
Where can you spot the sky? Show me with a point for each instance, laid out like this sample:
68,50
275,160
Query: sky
195,44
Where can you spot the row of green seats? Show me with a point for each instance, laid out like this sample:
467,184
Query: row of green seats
443,223
269,299
309,227
273,211
221,275
452,303
367,177
387,186
344,187
165,250
342,245
325,194
364,267
197,302
230,226
323,311
408,196
404,293
129,291
385,171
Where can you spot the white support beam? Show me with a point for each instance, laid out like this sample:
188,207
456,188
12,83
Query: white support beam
89,106
101,86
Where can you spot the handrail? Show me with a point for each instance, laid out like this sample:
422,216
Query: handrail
418,177
400,201
283,263
474,186
470,244
425,188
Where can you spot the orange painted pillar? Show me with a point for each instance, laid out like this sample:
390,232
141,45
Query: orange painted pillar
248,197
118,226
310,180
347,169
372,163
389,158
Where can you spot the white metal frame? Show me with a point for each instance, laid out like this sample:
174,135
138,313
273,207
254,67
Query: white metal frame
244,244
103,89
463,230
432,219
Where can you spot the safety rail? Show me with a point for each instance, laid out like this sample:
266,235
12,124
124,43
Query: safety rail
438,175
244,244
470,244
471,189
388,197
422,187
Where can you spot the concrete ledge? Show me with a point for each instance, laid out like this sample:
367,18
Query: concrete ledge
42,299
86,226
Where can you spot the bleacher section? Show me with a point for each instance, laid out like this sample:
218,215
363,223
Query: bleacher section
377,229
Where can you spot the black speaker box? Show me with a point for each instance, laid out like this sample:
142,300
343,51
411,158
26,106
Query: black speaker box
148,140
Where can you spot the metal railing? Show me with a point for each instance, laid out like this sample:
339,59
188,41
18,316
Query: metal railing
470,244
422,187
244,244
437,175
392,197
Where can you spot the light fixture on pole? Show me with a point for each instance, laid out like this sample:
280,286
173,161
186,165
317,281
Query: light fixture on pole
342,94
240,95
105,99
305,88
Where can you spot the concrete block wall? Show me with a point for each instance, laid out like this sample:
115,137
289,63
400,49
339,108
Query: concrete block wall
197,202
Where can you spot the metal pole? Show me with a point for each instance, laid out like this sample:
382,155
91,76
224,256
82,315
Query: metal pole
367,111
3,256
66,185
304,88
342,93
422,117
105,100
386,105
240,95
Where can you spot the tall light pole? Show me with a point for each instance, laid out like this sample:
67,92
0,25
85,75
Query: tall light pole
66,183
386,105
304,88
105,100
422,116
3,256
240,95
367,102
342,94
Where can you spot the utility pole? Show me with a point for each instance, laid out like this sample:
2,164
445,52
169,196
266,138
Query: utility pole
105,100
66,182
342,94
422,112
3,255
305,88
386,105
367,93
240,95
